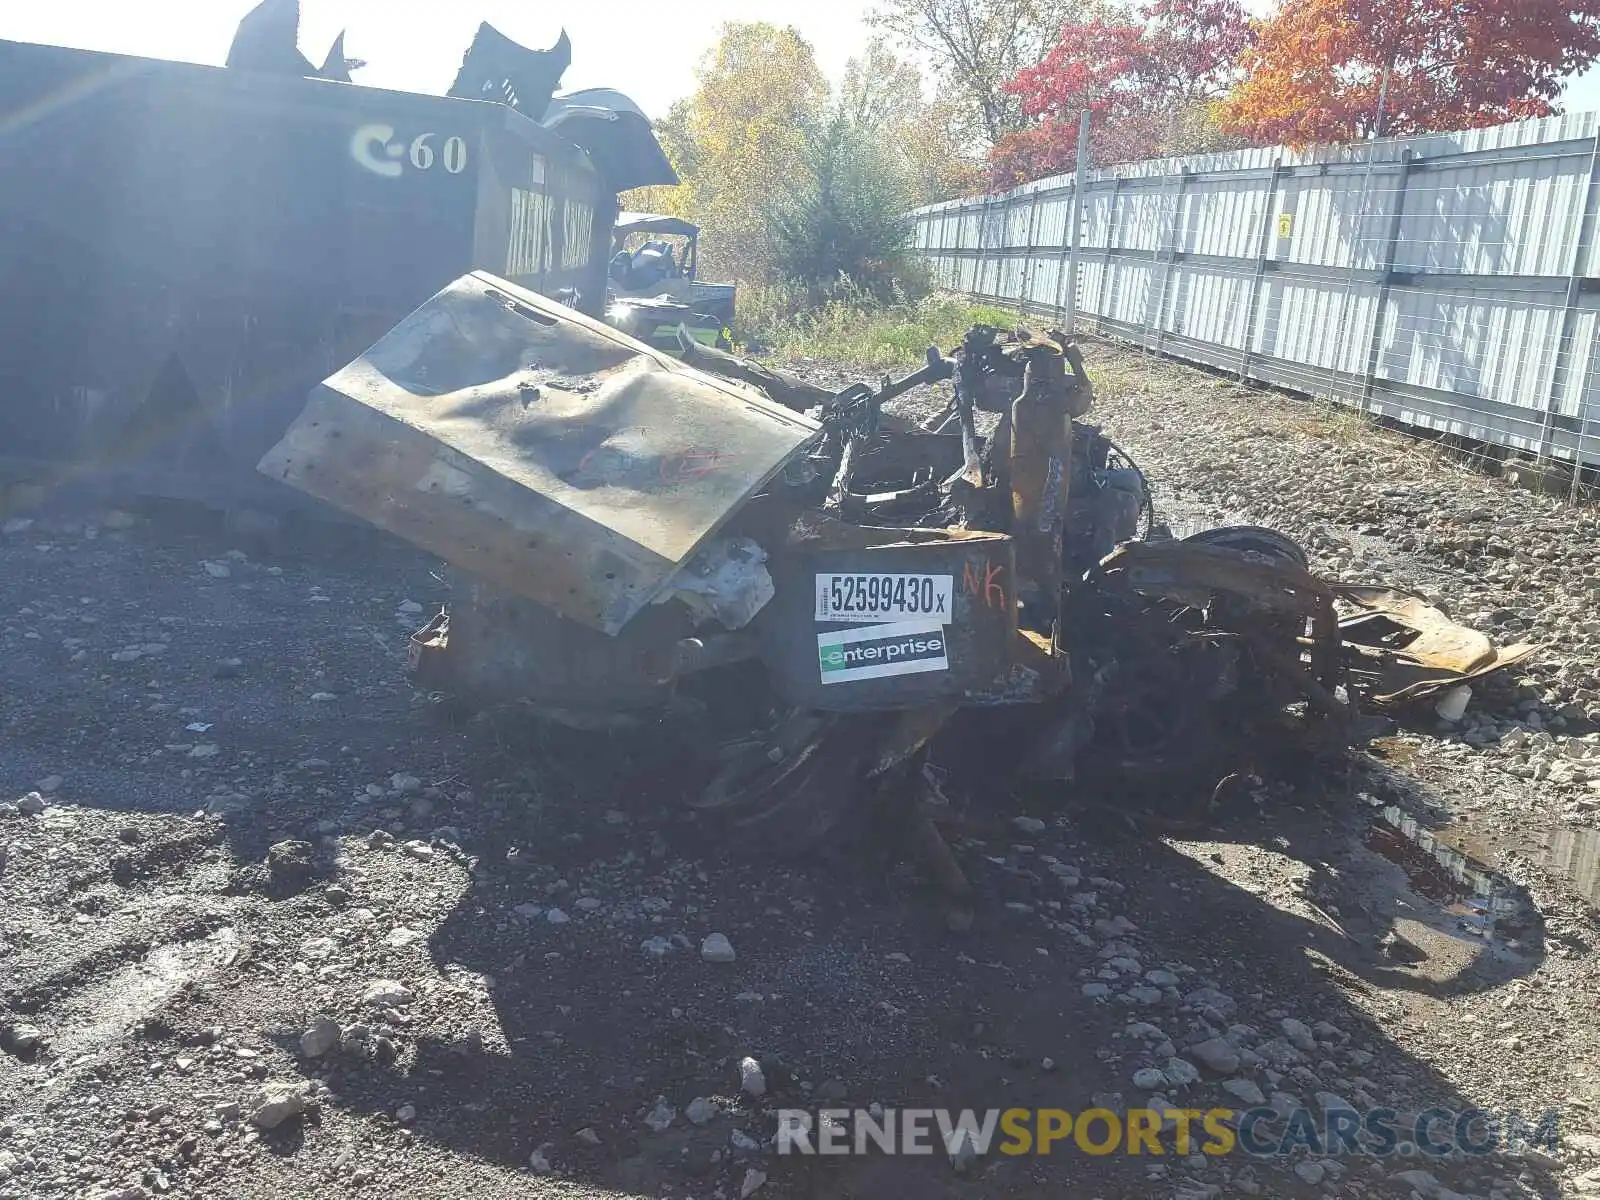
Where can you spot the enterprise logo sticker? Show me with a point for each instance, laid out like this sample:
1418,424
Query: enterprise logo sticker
874,651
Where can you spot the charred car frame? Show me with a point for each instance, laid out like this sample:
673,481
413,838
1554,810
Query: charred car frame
825,591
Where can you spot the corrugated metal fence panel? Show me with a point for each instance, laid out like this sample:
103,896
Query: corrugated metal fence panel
1223,217
1127,291
1517,218
1578,387
1472,342
1095,217
1054,212
1018,222
1333,217
1048,279
966,271
1208,306
1449,280
1143,214
1315,325
1581,387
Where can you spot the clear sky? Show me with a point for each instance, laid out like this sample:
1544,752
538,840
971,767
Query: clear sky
644,48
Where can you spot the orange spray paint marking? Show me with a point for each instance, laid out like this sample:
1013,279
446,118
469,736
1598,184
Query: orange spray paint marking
691,464
987,588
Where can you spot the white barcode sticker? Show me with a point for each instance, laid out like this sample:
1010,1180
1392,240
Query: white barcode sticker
874,599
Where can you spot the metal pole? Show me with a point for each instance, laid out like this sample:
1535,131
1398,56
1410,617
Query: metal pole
1174,237
1383,100
1026,286
1263,236
1075,221
1385,280
1066,254
1565,371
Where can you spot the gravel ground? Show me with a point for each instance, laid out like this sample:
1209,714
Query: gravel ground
271,926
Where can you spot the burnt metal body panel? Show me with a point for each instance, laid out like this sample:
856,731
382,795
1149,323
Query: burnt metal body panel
501,648
548,453
186,250
978,632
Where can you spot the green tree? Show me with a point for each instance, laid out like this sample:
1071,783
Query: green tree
846,221
740,137
789,179
672,131
878,91
945,162
883,96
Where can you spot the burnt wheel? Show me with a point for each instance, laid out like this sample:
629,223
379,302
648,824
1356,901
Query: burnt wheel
1156,719
1253,539
787,791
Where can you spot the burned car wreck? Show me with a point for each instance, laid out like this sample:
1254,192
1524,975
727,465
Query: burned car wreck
824,595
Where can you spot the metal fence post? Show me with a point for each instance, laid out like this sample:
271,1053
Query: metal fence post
1252,302
1385,278
1152,313
1064,262
1582,249
978,260
1026,282
1105,262
1075,217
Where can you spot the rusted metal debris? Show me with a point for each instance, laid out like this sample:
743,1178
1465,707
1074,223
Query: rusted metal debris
831,603
786,388
1406,650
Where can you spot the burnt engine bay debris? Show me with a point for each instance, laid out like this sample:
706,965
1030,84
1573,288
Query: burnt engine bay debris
835,604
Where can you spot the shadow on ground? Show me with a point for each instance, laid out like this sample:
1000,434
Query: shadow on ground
967,1025
850,985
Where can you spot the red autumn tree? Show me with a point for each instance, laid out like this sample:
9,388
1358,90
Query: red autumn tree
1149,76
1315,71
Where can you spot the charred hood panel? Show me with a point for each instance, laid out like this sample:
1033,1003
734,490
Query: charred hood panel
537,448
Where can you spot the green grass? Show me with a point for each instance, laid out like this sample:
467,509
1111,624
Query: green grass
777,321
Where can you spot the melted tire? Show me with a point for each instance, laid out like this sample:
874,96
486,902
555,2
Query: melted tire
1253,539
793,804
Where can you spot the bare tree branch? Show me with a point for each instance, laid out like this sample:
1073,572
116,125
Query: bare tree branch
978,46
